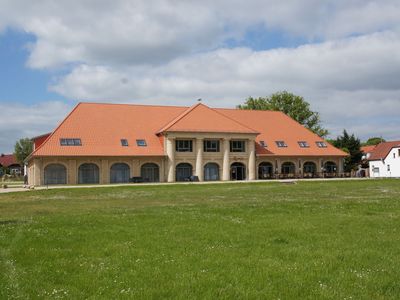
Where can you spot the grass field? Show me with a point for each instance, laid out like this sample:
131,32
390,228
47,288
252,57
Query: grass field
311,240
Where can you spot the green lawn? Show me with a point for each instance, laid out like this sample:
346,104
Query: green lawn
333,240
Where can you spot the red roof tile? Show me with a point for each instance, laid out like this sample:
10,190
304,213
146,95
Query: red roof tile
7,160
102,126
367,149
382,150
201,118
276,126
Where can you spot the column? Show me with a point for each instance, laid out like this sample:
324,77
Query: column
72,172
171,159
225,162
105,172
300,166
252,160
199,159
37,165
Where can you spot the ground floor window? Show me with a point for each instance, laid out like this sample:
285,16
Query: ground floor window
288,168
330,167
150,172
119,173
238,171
265,170
183,171
88,174
55,174
309,167
211,172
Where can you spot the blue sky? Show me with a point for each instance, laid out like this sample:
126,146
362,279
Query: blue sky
341,56
20,83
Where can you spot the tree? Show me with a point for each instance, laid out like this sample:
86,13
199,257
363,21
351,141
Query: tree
373,141
351,145
292,105
22,149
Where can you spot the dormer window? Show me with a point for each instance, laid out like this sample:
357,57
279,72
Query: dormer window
141,143
124,143
263,144
281,144
321,144
303,144
70,142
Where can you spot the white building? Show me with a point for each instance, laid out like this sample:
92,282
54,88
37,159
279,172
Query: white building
384,161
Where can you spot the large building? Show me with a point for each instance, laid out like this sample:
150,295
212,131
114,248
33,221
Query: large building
115,143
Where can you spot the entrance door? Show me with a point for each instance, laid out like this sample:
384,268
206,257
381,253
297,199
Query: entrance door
238,171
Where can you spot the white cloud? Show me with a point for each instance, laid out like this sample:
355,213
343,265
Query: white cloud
20,121
346,80
148,32
172,52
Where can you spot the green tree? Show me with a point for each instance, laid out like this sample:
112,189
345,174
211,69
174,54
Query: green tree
292,105
351,145
22,149
373,141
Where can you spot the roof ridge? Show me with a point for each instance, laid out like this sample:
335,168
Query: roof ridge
133,104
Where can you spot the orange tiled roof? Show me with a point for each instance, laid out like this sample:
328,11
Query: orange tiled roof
367,149
276,126
7,160
101,127
201,118
382,150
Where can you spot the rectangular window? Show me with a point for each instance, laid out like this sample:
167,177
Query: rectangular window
321,144
70,142
238,146
303,144
124,142
141,143
184,146
211,146
281,144
394,154
388,167
263,144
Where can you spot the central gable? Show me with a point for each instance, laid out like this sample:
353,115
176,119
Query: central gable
201,118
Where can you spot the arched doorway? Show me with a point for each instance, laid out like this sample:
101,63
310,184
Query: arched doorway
119,173
330,168
183,171
211,172
55,174
238,171
309,169
288,169
265,170
88,174
150,172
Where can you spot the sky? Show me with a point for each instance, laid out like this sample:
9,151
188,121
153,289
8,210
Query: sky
342,56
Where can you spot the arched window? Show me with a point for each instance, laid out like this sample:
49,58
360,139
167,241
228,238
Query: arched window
119,173
330,167
183,171
288,168
211,172
55,174
309,167
265,170
88,173
150,172
238,171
